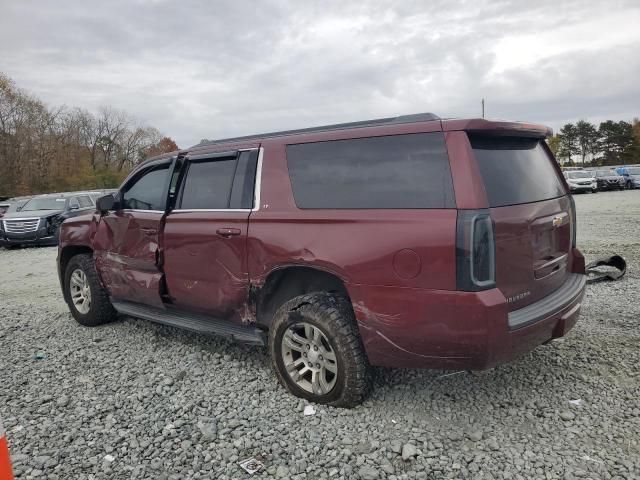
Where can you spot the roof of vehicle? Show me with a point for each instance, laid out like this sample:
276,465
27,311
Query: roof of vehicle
414,118
451,124
473,124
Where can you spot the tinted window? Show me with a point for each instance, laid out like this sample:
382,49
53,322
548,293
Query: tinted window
148,191
400,171
208,184
244,181
516,170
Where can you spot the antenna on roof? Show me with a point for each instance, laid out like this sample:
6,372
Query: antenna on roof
483,108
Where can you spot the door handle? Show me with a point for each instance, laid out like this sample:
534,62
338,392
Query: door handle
228,232
148,231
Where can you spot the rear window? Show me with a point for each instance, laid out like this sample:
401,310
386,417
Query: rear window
516,170
400,171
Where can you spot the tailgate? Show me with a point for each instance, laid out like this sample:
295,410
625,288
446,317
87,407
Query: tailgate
532,216
533,249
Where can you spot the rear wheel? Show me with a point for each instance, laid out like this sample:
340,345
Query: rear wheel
316,350
628,185
87,300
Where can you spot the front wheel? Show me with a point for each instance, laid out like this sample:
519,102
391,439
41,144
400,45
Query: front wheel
317,352
87,300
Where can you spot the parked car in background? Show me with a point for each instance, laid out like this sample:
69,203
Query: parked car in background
37,221
609,180
398,242
580,181
631,176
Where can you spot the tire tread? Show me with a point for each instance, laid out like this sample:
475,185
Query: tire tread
336,313
102,310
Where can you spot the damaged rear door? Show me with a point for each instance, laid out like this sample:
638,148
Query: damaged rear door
205,236
127,242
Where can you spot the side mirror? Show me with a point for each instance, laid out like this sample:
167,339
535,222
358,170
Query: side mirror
74,207
104,204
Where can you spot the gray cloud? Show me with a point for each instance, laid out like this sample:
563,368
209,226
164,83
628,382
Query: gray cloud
200,69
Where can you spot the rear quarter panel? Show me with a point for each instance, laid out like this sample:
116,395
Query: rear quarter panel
408,248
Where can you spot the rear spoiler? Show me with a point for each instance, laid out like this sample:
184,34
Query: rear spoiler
498,127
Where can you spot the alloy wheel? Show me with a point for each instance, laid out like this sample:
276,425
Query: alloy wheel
80,291
309,358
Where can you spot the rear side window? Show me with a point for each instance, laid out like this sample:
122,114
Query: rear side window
208,184
217,183
244,181
516,170
400,171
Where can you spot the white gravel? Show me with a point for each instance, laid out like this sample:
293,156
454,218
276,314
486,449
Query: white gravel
136,400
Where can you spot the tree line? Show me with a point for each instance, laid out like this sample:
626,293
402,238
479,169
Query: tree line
52,149
610,143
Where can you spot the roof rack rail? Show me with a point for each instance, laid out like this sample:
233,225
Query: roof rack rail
416,117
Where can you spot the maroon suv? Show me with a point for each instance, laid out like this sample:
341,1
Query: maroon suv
401,242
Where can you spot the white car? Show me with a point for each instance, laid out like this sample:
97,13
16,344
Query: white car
581,181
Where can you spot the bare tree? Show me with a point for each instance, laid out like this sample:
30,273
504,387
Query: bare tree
45,149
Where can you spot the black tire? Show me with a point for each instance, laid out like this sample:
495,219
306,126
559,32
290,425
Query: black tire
627,186
100,310
333,316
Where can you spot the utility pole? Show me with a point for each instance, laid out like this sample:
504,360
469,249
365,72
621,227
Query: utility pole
483,108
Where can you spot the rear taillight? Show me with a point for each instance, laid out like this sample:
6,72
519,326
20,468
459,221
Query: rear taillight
475,251
574,222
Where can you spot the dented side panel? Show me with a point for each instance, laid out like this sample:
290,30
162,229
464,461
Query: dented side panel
205,267
409,248
127,251
405,327
77,231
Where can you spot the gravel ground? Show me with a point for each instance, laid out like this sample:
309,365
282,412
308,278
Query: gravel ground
136,400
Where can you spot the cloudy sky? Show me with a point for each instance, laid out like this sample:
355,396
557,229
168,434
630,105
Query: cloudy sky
211,69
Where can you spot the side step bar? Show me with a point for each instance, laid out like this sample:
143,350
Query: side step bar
194,322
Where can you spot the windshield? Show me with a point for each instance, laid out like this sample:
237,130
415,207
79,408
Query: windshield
578,175
633,171
14,207
606,173
44,203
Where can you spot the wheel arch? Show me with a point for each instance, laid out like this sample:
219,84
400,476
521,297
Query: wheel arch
289,281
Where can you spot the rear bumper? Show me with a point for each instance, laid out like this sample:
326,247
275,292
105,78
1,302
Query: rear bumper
412,328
